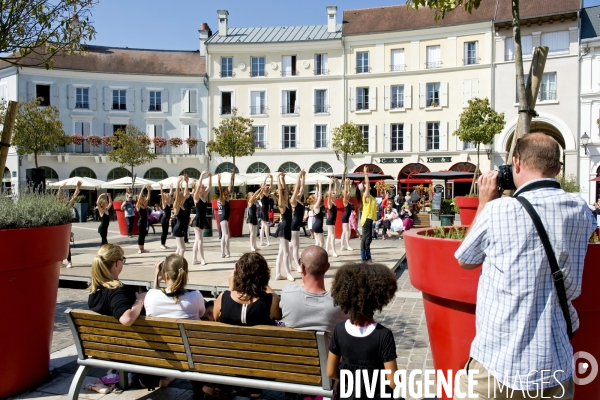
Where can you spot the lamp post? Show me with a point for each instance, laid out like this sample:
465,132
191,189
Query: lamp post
585,139
489,150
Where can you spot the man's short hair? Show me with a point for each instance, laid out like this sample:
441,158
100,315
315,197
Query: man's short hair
315,260
540,152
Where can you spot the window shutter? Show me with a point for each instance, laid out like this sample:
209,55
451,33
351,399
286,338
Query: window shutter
352,98
71,96
373,98
443,136
30,91
108,129
466,92
509,49
407,96
372,138
86,129
296,109
326,100
407,133
78,128
186,101
465,53
130,99
284,98
387,138
386,97
54,95
193,101
233,99
422,136
444,94
422,95
324,63
93,98
164,97
107,100
158,131
474,88
145,100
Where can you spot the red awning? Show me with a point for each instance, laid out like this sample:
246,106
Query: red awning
414,181
467,180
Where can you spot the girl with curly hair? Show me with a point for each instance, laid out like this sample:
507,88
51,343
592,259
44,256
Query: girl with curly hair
361,343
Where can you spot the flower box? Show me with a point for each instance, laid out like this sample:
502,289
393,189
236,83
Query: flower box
175,142
191,142
159,142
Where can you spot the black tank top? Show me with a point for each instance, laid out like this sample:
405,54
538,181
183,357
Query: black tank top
167,215
332,215
257,313
346,214
298,216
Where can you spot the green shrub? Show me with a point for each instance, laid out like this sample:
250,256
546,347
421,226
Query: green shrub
457,233
31,210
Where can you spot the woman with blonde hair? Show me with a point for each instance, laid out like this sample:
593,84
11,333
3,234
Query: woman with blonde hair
200,196
182,209
142,208
330,222
104,205
348,208
224,212
252,217
297,217
108,296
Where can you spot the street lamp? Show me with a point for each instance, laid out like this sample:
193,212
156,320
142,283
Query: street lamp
585,139
488,150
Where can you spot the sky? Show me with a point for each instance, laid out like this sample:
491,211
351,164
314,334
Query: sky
174,24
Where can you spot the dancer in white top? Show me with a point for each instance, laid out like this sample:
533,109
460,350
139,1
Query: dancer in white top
348,207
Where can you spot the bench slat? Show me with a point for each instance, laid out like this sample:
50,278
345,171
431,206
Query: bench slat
254,347
139,360
142,344
272,366
167,355
261,330
253,339
253,355
130,335
140,321
258,373
121,327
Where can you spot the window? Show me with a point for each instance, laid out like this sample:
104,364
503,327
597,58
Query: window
397,100
397,61
470,53
155,174
321,64
320,136
190,101
289,137
257,103
226,67
548,88
362,62
557,42
119,127
117,173
82,98
397,137
257,67
469,146
258,168
119,99
289,168
320,167
259,137
155,100
365,132
226,167
226,103
433,94
433,57
433,136
362,98
43,91
321,101
289,102
288,66
526,47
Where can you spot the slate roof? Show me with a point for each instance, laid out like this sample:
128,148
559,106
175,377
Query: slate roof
590,22
274,34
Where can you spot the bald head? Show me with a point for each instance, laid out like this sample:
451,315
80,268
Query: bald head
315,260
539,152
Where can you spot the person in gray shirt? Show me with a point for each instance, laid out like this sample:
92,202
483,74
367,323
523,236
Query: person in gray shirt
310,307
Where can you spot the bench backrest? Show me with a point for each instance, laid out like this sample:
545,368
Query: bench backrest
421,220
265,352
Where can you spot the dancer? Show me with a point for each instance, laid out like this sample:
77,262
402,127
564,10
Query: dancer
129,211
348,208
224,212
182,209
264,202
297,218
252,219
284,231
200,196
104,206
165,204
70,204
142,208
319,215
369,214
332,217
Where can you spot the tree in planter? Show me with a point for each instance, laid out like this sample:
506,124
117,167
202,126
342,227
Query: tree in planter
348,140
37,130
131,147
234,137
478,125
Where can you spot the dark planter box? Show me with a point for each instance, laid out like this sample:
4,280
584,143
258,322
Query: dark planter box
81,210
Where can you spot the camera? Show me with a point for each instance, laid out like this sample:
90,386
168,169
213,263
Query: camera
505,178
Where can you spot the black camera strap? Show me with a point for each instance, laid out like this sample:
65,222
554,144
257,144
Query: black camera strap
556,273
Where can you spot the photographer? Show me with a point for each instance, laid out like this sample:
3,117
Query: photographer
521,328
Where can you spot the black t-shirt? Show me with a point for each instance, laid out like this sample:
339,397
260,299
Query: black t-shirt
111,301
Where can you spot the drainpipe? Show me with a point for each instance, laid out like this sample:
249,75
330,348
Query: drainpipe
344,83
578,134
493,85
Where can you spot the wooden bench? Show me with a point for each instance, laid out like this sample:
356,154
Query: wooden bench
260,357
421,220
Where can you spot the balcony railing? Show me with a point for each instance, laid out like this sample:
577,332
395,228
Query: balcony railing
83,106
290,73
290,109
362,106
226,110
199,149
362,70
321,108
398,68
556,52
258,110
226,74
547,95
471,60
434,64
321,71
258,73
321,144
84,148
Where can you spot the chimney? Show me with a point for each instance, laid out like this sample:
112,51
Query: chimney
205,33
223,22
331,19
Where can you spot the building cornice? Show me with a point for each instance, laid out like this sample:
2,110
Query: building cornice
56,73
236,48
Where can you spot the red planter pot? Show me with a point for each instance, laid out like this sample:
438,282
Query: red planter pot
28,289
236,217
123,222
339,203
468,209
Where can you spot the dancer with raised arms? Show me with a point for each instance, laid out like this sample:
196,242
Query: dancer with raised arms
332,217
319,215
284,231
104,203
252,217
224,212
348,207
296,201
264,209
165,204
182,209
200,196
142,208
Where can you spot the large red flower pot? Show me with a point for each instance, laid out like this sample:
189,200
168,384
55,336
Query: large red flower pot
123,222
237,210
339,203
449,296
468,209
28,289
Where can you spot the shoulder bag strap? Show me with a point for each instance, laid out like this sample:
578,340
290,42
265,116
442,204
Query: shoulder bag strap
557,274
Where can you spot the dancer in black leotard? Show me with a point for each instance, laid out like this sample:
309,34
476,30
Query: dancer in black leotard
142,208
224,212
182,208
104,206
296,201
70,203
165,202
285,231
200,196
345,242
252,217
332,217
264,210
319,215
